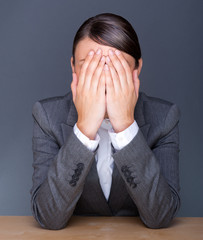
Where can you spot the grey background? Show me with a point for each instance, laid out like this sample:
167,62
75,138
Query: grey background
35,49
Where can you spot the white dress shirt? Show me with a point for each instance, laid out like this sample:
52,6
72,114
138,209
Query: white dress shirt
104,137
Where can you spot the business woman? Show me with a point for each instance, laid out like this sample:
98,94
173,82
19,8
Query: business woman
105,148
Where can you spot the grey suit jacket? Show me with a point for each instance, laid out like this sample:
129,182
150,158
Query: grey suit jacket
145,179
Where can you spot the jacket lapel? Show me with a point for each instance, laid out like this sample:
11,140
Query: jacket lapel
67,127
139,116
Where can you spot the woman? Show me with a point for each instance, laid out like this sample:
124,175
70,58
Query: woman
105,148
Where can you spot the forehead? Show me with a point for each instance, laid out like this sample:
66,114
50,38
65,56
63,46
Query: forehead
87,44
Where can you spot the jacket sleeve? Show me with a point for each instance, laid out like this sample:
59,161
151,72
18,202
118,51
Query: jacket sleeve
59,173
152,174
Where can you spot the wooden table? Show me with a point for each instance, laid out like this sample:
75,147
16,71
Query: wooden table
119,228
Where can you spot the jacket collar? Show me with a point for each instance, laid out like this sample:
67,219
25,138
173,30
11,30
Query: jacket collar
72,115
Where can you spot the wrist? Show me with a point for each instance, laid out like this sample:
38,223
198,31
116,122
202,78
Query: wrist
121,126
90,133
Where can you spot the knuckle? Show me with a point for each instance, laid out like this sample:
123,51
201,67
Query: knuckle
88,58
91,68
88,71
116,61
126,91
78,90
94,63
85,65
97,72
122,74
101,64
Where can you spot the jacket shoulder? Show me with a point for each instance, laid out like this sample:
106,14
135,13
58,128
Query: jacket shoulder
54,103
155,100
57,101
54,109
158,111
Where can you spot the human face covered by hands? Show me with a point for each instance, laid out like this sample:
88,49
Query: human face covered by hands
81,60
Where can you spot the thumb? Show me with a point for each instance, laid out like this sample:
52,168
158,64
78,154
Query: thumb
136,81
74,85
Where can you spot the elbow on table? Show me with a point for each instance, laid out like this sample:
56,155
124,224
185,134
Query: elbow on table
49,220
52,225
55,227
157,224
162,219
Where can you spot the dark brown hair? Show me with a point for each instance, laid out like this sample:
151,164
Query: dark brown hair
111,30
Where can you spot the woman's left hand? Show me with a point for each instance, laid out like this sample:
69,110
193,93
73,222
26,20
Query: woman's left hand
122,89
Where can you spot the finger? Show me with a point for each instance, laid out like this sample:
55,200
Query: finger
125,66
97,74
84,68
109,62
74,85
115,79
101,84
136,82
114,75
119,68
91,69
109,81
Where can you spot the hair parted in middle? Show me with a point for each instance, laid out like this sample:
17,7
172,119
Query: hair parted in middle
111,30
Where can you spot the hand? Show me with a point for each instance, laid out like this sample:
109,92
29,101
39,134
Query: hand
122,91
89,94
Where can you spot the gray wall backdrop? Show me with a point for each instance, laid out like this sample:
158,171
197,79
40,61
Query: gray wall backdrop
35,49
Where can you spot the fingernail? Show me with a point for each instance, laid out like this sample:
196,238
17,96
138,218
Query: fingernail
117,52
91,53
111,52
107,59
102,59
106,67
98,51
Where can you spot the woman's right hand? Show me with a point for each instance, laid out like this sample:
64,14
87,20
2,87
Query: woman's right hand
89,94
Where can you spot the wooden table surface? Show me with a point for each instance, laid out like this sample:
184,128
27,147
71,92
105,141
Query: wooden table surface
119,228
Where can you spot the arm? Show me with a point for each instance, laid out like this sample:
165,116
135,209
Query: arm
152,175
59,173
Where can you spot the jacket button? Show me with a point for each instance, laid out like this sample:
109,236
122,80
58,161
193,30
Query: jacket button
127,173
78,172
75,177
134,185
124,168
80,166
129,180
72,183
